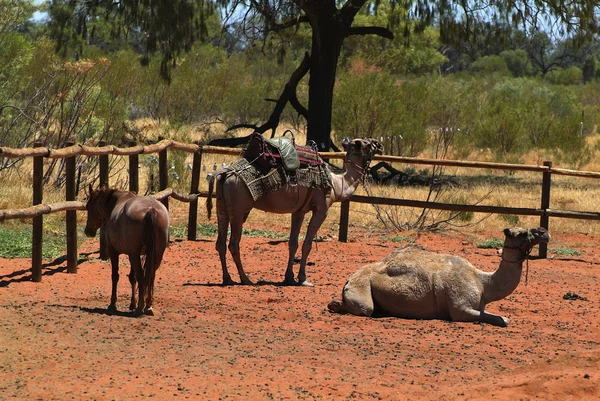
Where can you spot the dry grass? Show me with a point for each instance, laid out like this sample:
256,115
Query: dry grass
521,189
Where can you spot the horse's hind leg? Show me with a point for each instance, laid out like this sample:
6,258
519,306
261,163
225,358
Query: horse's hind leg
133,282
136,267
114,262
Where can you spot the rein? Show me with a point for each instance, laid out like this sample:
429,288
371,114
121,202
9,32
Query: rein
524,256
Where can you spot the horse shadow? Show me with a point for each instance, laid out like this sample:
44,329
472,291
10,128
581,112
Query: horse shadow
21,276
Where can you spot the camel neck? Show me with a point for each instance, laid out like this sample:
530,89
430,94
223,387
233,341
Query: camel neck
346,183
505,280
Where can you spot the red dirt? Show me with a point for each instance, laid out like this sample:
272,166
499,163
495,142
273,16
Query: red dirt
270,342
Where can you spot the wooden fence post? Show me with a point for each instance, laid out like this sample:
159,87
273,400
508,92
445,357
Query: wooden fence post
344,216
71,214
38,221
193,214
134,176
163,174
546,184
103,183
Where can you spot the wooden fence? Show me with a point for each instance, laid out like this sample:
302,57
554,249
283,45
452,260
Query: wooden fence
70,205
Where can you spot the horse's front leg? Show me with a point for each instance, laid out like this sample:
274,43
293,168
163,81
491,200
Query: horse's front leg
114,262
318,217
297,219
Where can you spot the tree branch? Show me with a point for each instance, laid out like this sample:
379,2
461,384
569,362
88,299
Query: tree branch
351,8
290,23
370,30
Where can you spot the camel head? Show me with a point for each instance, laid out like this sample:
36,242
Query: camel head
525,239
366,148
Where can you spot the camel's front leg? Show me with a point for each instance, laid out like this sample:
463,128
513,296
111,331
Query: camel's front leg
316,220
297,219
473,315
234,248
114,262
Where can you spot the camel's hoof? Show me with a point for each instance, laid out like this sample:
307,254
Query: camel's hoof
149,311
335,306
228,281
289,281
112,309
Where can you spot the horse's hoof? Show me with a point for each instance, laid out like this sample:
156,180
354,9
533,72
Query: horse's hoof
228,282
132,307
305,284
138,312
289,281
247,282
149,311
112,309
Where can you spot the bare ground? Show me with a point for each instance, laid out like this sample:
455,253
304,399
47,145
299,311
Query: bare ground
211,342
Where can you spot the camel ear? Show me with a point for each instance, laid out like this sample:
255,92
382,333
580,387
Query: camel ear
345,143
507,232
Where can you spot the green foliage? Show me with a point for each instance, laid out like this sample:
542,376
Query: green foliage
490,65
490,243
400,238
15,242
250,232
569,76
517,62
589,68
566,251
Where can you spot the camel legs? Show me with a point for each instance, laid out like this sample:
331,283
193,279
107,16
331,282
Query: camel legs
114,262
297,219
473,315
316,220
234,248
223,226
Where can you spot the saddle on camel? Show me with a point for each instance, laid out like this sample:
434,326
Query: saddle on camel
269,164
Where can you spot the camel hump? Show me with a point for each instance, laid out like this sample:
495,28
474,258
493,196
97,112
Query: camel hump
404,250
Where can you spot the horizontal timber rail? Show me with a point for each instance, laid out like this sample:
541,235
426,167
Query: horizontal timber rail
102,151
83,150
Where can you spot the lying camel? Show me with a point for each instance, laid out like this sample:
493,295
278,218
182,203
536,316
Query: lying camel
412,282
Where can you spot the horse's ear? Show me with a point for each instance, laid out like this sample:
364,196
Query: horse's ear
90,189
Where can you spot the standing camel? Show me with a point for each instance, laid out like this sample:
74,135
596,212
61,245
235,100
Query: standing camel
234,203
412,282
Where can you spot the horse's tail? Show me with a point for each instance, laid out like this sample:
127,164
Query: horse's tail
151,239
209,205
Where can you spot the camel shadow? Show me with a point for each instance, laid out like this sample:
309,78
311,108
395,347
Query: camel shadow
259,283
21,276
106,312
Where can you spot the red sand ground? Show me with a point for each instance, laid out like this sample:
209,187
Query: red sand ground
209,342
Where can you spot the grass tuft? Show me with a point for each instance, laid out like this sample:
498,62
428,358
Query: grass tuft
491,243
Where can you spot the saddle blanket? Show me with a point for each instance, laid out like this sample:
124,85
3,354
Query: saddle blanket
261,182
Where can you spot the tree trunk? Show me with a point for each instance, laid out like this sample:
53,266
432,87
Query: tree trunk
328,36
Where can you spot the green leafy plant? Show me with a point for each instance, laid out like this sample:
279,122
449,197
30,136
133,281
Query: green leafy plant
566,251
400,238
491,243
15,242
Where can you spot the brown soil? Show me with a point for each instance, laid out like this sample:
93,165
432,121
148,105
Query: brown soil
271,342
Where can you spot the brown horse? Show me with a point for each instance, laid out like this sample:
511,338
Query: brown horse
135,226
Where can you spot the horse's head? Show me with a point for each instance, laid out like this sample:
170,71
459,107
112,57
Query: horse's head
96,209
365,148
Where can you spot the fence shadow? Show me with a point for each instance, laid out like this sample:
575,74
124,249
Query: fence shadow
21,276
